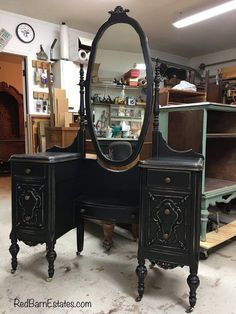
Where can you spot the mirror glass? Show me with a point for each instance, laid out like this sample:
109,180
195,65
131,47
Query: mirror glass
118,91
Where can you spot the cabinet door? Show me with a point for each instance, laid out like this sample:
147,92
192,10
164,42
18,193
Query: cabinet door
166,219
30,204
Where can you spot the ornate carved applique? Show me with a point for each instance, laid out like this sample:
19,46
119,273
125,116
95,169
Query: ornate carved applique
119,10
164,265
29,205
168,217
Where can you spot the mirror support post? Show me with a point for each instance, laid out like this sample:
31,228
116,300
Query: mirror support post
155,132
82,131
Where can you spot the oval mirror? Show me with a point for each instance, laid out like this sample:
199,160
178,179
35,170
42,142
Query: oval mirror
119,88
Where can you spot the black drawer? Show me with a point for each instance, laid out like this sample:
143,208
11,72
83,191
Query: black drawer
28,170
169,179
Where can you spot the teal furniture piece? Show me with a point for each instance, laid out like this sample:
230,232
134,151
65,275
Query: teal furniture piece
209,129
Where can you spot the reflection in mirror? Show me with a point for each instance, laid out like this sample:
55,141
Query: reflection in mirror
118,97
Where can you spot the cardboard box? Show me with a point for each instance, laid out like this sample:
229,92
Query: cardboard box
133,73
228,72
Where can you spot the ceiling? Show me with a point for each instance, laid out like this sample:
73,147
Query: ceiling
155,16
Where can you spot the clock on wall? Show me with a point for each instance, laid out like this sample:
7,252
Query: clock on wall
25,32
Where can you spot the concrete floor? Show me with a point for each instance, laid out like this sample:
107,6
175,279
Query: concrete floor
108,281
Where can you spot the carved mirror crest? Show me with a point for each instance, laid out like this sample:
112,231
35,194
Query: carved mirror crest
119,89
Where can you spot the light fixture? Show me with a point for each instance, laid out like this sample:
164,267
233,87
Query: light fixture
206,14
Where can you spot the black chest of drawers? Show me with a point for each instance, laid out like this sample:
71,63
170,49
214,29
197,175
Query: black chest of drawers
44,186
170,217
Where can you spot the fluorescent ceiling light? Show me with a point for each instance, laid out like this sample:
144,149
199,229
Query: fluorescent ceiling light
207,14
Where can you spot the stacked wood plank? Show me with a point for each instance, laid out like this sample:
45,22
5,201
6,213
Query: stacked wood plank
62,117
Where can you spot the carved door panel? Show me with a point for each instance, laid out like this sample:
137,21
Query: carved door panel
30,206
167,220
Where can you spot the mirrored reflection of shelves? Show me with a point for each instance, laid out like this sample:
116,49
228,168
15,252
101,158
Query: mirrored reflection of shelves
141,104
111,85
118,107
111,139
125,118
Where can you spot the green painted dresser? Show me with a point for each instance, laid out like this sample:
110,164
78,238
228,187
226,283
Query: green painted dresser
209,129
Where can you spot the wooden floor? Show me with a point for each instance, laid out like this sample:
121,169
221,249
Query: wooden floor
219,236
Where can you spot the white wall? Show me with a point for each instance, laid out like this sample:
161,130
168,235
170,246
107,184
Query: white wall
44,34
114,64
219,56
169,57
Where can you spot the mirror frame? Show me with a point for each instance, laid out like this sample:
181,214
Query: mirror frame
119,16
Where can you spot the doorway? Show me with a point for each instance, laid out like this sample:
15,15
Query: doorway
12,105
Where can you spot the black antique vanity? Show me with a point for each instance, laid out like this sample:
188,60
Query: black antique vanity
55,191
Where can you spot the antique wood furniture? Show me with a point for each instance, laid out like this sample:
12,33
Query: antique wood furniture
209,129
44,186
60,136
170,208
167,198
108,196
12,139
116,198
173,96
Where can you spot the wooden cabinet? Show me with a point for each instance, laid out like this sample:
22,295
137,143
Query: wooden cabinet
170,217
44,186
174,96
60,136
209,129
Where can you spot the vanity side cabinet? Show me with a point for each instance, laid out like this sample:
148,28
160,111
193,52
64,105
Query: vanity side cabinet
44,186
170,218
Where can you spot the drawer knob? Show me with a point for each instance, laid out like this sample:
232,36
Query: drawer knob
82,210
167,211
165,236
27,170
27,197
167,180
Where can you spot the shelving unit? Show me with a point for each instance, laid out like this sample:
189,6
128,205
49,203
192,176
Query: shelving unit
209,129
111,106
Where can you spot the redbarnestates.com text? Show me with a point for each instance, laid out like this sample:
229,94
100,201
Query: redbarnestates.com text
50,303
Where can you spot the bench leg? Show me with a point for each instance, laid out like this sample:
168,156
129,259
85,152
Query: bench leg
80,236
108,230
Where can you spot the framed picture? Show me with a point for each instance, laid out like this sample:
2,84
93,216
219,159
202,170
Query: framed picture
36,132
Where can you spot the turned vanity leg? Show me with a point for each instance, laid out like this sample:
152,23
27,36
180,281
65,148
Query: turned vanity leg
141,272
193,282
80,236
51,256
108,230
135,231
14,249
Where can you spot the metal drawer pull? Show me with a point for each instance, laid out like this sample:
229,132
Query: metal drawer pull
27,170
167,180
167,211
165,236
27,197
